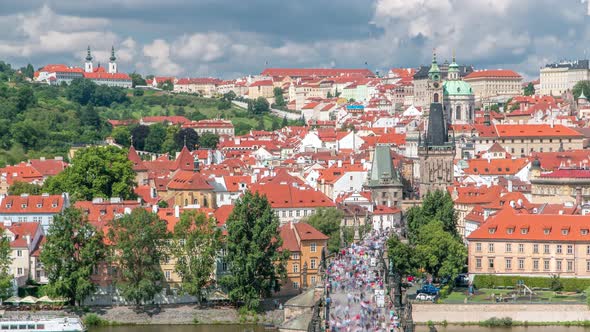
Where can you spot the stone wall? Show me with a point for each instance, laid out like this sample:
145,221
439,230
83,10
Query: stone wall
460,313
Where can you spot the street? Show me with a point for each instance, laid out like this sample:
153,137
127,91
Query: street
357,300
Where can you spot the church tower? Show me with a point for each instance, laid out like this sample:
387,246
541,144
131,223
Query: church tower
434,84
458,97
384,180
112,63
88,63
435,151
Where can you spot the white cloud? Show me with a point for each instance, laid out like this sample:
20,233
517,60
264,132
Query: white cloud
205,47
159,53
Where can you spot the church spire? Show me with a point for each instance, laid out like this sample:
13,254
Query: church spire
434,72
88,55
112,58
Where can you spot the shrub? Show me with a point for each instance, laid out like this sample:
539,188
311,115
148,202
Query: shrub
497,322
568,284
94,320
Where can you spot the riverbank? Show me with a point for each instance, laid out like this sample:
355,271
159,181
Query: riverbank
165,315
465,314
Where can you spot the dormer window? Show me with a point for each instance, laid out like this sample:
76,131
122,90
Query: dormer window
510,230
24,206
584,232
564,231
54,205
8,206
546,231
39,205
492,230
524,231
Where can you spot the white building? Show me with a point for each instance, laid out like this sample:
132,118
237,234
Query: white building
557,78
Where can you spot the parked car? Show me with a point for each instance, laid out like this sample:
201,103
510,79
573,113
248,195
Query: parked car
428,289
425,297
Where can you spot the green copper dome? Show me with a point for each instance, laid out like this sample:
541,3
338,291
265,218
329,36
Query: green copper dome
456,88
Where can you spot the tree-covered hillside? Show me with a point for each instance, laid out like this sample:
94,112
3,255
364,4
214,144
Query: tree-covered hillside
40,120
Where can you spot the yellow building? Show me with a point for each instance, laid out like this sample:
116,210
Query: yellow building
263,88
190,189
494,83
531,244
305,244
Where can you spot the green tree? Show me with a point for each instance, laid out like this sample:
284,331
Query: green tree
139,239
285,122
229,96
514,107
278,94
402,256
188,137
529,90
25,97
275,124
89,117
72,250
328,221
80,90
196,242
209,140
155,138
260,106
136,80
138,92
329,95
166,86
437,205
495,108
19,187
28,71
28,133
122,135
438,252
96,172
253,255
581,86
5,261
140,134
169,144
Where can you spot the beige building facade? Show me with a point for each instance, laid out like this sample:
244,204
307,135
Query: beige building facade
494,83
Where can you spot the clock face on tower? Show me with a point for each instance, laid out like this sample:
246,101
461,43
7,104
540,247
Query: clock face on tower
435,84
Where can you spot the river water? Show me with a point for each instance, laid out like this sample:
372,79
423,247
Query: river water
257,328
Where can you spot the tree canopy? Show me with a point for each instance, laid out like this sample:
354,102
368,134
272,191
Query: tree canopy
529,89
253,255
437,205
139,239
95,172
278,94
196,243
581,86
72,250
438,252
209,140
328,221
260,106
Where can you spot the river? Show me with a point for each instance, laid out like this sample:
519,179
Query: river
258,328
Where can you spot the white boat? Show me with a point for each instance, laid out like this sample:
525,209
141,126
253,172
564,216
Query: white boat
38,324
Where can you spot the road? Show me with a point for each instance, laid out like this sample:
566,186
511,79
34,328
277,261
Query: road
353,282
279,113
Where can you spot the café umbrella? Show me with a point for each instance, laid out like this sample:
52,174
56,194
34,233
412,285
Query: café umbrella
29,300
44,299
13,299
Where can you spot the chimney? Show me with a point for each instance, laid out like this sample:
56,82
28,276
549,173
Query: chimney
28,238
579,196
176,211
339,163
510,185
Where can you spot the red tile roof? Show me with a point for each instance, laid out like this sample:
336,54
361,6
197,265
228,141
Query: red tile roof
32,204
60,68
174,119
535,130
324,72
262,83
187,180
107,76
496,227
290,196
568,173
503,73
290,233
495,166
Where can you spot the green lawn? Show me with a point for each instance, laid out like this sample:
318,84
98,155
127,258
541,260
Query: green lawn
485,296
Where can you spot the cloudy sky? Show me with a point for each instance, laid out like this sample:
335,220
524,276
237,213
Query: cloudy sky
229,38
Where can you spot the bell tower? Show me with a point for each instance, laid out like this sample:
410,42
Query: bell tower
88,63
434,84
112,63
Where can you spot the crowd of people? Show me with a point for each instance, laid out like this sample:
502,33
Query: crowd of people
351,284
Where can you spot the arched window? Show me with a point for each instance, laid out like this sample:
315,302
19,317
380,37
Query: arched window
458,113
205,203
435,99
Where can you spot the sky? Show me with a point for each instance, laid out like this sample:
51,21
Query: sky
233,38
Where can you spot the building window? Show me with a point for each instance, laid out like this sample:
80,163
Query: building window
313,280
521,264
295,285
546,264
491,263
19,271
295,255
570,266
520,248
168,274
558,265
535,248
508,247
295,268
19,253
587,266
478,263
312,247
312,264
546,249
536,264
478,247
587,250
558,249
490,247
508,263
570,249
